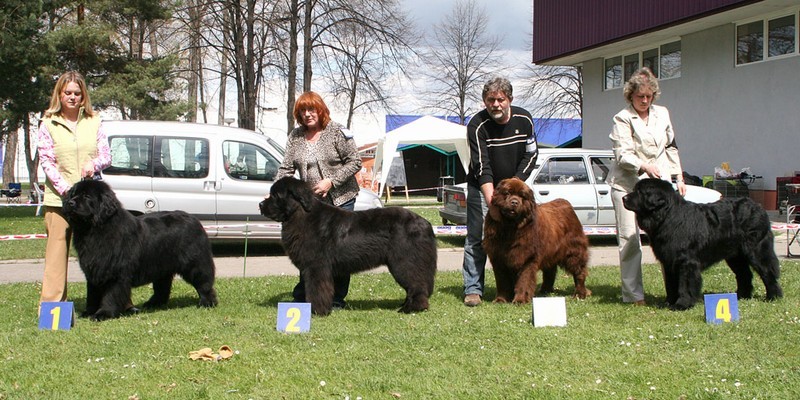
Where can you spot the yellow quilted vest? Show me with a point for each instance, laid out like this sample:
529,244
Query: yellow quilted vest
71,149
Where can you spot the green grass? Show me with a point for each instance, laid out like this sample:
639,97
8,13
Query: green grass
607,350
21,221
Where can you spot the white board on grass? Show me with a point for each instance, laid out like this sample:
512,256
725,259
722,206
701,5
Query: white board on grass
549,311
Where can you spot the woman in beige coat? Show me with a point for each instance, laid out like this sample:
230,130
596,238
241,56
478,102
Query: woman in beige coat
644,147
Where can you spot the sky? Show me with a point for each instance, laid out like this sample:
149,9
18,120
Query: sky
509,19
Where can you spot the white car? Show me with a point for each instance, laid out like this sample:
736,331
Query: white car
219,174
577,175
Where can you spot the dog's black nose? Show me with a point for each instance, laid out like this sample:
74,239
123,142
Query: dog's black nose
514,202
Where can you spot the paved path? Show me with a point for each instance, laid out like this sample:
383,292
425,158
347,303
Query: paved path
449,260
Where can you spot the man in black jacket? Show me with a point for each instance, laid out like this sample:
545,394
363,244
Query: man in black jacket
502,145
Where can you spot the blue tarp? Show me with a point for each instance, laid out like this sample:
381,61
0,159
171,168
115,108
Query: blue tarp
549,132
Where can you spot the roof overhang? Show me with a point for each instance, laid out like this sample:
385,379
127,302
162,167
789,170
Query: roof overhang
672,32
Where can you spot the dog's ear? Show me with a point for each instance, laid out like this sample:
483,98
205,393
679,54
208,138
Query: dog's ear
494,213
654,201
303,194
106,204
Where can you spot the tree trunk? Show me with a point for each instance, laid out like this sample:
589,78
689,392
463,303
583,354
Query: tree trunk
31,159
307,44
291,95
10,158
223,82
194,59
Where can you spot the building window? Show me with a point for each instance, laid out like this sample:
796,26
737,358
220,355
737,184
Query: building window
664,61
631,62
781,36
750,42
613,72
650,60
766,38
670,61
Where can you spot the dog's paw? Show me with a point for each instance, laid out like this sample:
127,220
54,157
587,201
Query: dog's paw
681,305
521,300
100,316
500,300
582,294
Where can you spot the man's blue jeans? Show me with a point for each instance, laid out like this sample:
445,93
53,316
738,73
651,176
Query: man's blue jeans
474,256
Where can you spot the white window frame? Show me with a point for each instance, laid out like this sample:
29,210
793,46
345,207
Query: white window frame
765,20
640,52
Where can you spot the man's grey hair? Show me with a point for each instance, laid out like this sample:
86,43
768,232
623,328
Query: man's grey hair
498,84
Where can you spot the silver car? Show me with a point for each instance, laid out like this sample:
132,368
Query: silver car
216,173
577,175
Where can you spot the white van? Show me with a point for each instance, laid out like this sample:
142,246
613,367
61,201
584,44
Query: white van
219,174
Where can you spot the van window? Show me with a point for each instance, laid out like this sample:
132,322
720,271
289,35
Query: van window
246,161
130,155
181,158
168,158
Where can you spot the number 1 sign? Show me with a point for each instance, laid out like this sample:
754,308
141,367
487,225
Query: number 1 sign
56,315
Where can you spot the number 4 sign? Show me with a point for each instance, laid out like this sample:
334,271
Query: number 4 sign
294,317
721,308
56,315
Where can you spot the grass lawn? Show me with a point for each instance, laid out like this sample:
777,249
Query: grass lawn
608,350
21,221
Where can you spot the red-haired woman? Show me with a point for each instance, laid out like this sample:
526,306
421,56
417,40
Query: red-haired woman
325,156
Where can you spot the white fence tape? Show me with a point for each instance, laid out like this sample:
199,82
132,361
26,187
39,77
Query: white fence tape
458,230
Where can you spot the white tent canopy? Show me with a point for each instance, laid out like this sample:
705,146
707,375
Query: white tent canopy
445,135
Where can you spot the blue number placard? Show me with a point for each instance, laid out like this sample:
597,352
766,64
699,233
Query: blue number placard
55,315
294,317
721,308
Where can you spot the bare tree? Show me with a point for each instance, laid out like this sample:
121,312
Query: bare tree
556,92
240,31
318,22
357,66
460,60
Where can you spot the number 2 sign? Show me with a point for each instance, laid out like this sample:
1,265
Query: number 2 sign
294,317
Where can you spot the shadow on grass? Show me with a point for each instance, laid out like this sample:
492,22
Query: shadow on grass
255,248
177,302
359,304
602,294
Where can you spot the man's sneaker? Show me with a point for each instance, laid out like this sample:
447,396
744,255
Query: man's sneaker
472,300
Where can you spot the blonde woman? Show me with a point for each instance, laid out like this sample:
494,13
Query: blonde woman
72,146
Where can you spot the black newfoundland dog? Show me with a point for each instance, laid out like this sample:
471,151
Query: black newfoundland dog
324,241
118,251
687,238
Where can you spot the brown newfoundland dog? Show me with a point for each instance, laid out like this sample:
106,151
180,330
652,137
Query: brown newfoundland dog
324,241
521,238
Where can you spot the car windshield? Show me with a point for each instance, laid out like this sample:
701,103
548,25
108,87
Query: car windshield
276,145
